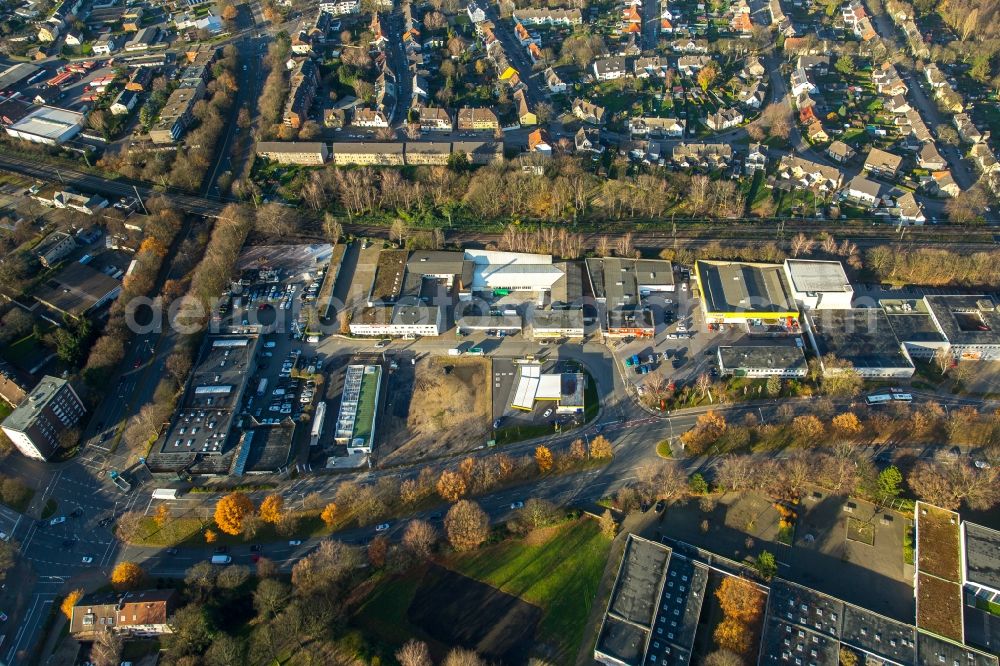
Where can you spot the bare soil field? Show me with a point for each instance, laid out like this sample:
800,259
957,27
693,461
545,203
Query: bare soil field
440,406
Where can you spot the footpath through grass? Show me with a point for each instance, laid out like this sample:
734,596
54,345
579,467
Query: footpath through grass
557,569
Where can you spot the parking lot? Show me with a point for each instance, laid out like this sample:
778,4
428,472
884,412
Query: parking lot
277,285
682,348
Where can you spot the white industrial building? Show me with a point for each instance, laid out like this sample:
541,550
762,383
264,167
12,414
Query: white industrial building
407,287
819,285
513,271
47,125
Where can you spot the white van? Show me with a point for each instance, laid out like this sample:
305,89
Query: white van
221,559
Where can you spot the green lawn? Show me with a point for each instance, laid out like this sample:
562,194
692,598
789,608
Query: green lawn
559,574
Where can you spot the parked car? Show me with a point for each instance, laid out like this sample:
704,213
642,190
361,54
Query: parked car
547,413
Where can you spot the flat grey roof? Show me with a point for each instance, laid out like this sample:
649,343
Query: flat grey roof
862,336
204,418
744,287
911,320
818,276
76,288
436,262
934,651
619,281
633,604
653,613
807,624
771,357
982,555
680,607
489,321
966,320
36,401
558,319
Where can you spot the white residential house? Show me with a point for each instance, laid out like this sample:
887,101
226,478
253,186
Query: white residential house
800,83
476,13
340,7
553,82
610,69
756,159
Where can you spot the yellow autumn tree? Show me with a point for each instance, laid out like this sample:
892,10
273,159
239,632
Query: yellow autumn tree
162,515
67,604
210,536
543,458
127,576
230,512
847,425
600,448
329,514
733,635
451,486
272,509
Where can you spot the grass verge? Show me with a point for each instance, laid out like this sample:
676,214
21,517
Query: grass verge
663,449
557,569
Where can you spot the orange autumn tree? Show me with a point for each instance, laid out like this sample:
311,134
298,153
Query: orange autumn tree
231,511
272,509
742,605
127,576
67,604
543,457
451,486
329,514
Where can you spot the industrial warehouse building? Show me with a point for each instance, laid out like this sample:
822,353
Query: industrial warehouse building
410,289
965,327
757,295
619,286
47,124
208,434
861,337
756,361
818,285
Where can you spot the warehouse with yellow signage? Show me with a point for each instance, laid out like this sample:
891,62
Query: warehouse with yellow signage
757,295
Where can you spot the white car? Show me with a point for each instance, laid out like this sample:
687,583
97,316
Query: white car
982,464
517,505
671,336
87,559
382,527
295,542
547,413
58,520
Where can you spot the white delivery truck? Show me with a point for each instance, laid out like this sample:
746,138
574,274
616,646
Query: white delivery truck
166,493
